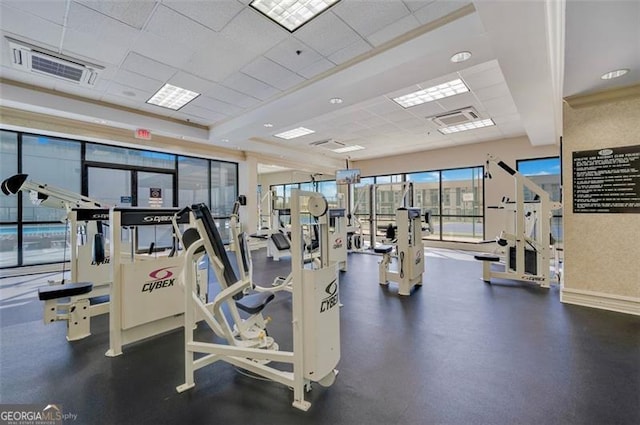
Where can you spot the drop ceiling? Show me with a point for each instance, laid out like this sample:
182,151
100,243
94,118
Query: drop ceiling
250,71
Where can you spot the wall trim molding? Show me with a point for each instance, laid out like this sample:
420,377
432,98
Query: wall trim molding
601,300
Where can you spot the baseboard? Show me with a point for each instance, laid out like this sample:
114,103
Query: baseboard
618,303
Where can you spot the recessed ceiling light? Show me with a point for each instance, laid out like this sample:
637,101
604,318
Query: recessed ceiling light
460,57
225,140
172,97
467,126
450,88
296,132
291,14
335,101
268,125
348,149
614,74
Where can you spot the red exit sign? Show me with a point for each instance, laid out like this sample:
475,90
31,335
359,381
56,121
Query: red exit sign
143,133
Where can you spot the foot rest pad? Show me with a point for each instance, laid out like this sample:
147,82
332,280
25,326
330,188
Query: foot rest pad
255,303
487,257
66,290
383,249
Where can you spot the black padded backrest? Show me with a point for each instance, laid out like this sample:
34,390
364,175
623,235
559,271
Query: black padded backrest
244,251
201,211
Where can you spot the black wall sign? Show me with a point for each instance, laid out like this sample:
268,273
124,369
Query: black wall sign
607,180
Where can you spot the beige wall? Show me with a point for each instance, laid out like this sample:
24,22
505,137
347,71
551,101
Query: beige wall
509,150
602,251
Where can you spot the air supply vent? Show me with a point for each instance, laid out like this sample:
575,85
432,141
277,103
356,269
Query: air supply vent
457,117
30,58
328,144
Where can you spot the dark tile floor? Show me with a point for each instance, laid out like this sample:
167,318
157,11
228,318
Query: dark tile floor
458,351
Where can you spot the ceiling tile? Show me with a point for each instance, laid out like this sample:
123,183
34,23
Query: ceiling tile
132,79
182,29
207,114
51,10
29,27
491,92
133,12
367,17
489,77
162,50
215,105
212,14
500,106
414,5
248,85
232,97
254,31
438,9
142,65
458,101
347,53
190,82
131,94
70,88
316,68
425,110
327,34
207,64
396,29
27,77
271,73
286,54
92,49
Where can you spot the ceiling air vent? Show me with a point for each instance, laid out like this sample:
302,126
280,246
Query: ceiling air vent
37,60
457,117
328,144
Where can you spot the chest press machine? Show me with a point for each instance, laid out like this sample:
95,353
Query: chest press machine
316,320
409,252
527,248
89,264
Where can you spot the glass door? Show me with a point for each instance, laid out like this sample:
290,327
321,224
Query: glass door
110,186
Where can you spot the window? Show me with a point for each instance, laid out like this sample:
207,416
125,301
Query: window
126,156
545,172
193,181
8,168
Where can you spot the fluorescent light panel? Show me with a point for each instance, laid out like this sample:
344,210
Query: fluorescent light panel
440,91
291,14
467,126
348,149
296,132
172,97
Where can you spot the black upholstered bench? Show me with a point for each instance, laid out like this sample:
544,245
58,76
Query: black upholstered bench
62,291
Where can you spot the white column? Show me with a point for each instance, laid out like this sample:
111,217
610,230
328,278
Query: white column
248,186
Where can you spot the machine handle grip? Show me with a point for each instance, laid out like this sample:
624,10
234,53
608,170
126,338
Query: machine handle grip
506,168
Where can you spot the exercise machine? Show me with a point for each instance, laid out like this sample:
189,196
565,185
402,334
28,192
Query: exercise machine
409,252
338,237
146,294
85,219
526,249
315,312
278,243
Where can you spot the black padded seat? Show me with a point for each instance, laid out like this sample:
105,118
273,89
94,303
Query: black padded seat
280,241
383,249
486,257
255,303
62,291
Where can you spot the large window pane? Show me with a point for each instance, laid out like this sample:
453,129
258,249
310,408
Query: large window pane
8,167
426,191
224,188
126,156
462,204
330,190
45,243
8,246
51,161
193,181
115,194
462,229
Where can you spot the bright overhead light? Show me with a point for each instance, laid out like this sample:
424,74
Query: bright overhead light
225,140
614,74
296,132
291,14
430,94
172,97
268,125
461,57
467,126
348,149
335,101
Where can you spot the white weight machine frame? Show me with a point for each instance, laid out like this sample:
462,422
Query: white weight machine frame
527,251
316,318
146,293
409,252
83,216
